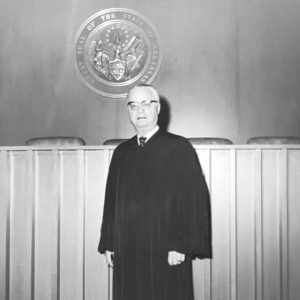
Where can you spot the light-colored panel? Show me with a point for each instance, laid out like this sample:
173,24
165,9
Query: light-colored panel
220,203
110,270
96,275
46,201
245,226
71,225
283,209
258,237
21,212
201,268
4,224
294,224
233,223
204,158
271,224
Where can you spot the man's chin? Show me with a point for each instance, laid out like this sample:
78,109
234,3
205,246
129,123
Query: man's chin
141,123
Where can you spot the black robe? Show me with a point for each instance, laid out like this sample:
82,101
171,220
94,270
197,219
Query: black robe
156,201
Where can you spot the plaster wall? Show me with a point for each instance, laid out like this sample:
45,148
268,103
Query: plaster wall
231,69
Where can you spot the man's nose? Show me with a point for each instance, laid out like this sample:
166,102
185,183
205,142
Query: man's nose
140,108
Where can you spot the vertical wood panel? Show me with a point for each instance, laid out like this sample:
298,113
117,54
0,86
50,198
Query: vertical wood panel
71,226
20,227
258,238
31,187
4,225
232,229
201,268
220,195
55,290
294,224
271,224
96,278
208,263
283,209
110,270
47,196
245,226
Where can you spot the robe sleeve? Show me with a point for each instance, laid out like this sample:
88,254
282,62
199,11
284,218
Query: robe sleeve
189,216
107,227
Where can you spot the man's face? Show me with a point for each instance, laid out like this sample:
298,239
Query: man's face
143,107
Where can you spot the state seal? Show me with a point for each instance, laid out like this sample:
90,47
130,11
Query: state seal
116,49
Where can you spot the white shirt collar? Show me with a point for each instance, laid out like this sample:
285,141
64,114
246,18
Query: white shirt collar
149,134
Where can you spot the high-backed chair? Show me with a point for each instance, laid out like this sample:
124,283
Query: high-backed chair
55,141
209,141
262,140
114,142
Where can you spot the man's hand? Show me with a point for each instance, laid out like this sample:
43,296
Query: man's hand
109,258
175,258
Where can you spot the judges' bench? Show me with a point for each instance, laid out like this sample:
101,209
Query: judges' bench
51,201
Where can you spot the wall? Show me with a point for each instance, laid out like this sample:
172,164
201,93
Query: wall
230,69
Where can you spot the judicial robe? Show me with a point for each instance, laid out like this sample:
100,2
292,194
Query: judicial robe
156,201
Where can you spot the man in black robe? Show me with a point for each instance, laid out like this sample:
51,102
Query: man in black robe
156,216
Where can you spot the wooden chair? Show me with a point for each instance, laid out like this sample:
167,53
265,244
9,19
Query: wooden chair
209,141
114,142
262,140
55,141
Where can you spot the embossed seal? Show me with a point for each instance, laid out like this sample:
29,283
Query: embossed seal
116,49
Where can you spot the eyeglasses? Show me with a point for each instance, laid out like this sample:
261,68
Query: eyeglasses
133,105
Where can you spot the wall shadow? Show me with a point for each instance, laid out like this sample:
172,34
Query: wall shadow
164,116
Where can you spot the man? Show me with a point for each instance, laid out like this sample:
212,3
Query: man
156,215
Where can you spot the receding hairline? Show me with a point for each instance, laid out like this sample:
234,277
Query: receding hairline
148,87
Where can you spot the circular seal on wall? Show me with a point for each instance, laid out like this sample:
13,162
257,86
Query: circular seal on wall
115,50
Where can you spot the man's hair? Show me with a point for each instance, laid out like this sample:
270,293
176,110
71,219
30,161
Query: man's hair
148,86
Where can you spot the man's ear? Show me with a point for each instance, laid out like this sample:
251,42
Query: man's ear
158,107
